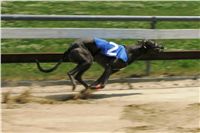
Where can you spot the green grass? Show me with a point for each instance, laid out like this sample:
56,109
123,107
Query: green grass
29,71
180,8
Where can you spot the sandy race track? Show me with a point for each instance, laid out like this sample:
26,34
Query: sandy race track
149,107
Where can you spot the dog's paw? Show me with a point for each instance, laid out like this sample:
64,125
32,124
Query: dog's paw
73,87
99,86
76,97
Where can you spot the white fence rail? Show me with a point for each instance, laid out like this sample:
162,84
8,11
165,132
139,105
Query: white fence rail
30,33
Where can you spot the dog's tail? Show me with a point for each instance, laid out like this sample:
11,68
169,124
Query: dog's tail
65,58
48,70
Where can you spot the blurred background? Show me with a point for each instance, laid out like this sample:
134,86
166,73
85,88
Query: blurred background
13,72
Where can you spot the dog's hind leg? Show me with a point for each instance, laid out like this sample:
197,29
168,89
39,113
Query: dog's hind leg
71,77
83,67
84,59
76,74
81,70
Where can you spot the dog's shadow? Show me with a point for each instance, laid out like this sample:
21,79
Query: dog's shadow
66,97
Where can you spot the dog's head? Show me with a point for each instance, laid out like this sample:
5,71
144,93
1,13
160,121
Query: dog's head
150,46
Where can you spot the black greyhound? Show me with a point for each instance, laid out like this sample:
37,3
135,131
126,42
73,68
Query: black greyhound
84,51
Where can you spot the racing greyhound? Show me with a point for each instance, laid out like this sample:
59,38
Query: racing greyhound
111,56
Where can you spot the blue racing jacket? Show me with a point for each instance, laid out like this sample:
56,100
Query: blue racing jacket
111,49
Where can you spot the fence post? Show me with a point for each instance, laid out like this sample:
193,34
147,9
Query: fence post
148,63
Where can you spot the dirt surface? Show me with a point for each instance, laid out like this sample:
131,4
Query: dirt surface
155,107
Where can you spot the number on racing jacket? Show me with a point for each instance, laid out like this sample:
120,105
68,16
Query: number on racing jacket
113,51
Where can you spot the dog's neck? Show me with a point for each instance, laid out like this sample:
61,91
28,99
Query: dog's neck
134,53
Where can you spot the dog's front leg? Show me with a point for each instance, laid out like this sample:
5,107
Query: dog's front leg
100,83
105,78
